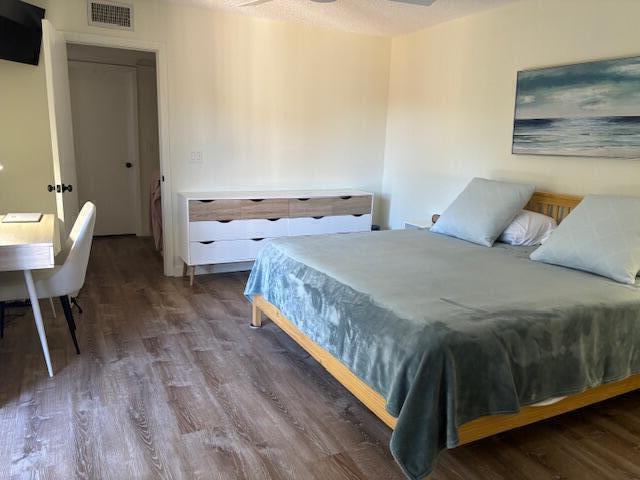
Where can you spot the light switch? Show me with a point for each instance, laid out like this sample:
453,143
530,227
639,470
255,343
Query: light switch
196,157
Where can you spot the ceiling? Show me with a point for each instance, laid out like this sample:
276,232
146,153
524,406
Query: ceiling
377,17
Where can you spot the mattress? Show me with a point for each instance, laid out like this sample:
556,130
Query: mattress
448,331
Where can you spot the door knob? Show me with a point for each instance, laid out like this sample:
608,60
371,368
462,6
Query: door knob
129,164
50,188
67,188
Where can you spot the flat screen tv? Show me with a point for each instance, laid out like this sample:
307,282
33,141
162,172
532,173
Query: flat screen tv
20,31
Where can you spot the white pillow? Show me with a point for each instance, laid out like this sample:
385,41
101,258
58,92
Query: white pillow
528,228
601,236
483,210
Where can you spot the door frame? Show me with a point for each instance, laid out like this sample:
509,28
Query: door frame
163,124
133,116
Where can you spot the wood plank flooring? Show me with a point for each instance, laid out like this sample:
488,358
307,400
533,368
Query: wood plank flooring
172,384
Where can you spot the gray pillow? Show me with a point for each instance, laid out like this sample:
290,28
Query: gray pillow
601,235
483,210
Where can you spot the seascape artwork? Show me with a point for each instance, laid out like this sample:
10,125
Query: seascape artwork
589,109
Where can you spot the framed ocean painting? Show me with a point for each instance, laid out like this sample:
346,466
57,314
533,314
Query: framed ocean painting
588,109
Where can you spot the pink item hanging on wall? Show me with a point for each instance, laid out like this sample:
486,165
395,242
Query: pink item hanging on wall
155,210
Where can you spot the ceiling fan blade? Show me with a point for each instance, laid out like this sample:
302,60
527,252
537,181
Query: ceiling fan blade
253,3
424,3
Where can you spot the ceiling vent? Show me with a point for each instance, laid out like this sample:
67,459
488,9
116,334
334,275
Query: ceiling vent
108,14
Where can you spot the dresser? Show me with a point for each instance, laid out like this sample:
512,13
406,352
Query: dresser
230,227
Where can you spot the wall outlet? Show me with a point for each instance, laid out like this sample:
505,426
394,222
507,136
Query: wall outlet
196,158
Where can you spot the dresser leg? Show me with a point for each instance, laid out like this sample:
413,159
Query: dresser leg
189,270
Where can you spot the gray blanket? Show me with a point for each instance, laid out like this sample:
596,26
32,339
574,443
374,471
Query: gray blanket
448,331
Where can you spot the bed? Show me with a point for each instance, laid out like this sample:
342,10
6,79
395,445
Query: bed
446,341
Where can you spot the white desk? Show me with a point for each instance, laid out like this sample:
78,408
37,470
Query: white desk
27,247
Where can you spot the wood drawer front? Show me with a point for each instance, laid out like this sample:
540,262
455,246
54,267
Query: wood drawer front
325,206
237,229
224,251
310,207
209,210
356,205
265,208
331,224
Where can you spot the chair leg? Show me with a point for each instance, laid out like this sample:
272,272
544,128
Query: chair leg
1,319
66,306
53,307
74,301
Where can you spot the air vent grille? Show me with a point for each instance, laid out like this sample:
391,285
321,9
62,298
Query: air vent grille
108,14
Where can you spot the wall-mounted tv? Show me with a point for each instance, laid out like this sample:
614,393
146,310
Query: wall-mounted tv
20,31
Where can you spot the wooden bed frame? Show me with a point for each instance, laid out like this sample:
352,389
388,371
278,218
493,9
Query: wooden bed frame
555,205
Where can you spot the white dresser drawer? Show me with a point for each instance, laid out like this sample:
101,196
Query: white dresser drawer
238,229
351,223
224,251
332,224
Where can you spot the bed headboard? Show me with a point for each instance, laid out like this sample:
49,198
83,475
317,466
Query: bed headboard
555,205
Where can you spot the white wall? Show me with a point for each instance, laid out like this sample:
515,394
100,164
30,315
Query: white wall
269,104
452,92
275,105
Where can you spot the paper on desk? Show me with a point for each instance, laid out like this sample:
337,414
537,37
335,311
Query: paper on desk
22,218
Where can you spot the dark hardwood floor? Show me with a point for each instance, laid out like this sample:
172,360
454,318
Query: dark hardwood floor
172,383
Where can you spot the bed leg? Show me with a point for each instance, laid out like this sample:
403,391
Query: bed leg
256,316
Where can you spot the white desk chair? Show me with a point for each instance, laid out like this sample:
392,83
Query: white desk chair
65,279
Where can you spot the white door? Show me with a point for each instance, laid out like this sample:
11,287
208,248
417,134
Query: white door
104,106
57,78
